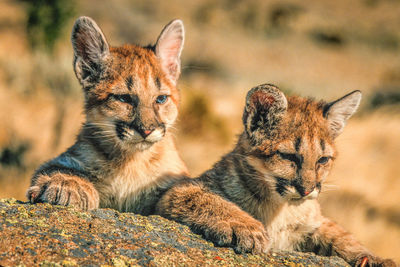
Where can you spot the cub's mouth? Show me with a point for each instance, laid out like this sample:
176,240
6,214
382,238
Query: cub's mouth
138,135
293,193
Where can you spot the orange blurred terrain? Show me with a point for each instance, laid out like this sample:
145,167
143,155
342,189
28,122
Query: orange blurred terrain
322,49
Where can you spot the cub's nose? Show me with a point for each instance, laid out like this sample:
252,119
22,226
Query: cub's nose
306,191
145,132
311,194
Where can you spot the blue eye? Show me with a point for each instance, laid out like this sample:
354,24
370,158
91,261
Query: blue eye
161,99
123,98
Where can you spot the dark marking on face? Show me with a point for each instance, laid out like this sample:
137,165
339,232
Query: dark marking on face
120,129
262,155
295,158
129,83
297,183
158,83
95,102
281,185
322,142
135,100
297,144
319,186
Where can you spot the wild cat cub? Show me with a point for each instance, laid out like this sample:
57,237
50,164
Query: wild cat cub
274,173
125,148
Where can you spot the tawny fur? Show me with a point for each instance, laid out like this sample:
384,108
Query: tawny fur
125,153
274,173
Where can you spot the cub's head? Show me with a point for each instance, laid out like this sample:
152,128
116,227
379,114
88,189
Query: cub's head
131,97
290,141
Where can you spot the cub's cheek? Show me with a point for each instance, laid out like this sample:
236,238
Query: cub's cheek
168,113
323,172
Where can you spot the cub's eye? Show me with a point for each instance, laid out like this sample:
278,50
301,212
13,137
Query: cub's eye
123,98
161,99
323,160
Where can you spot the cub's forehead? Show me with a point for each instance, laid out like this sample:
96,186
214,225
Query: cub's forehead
135,67
305,107
303,121
302,129
134,59
306,145
304,126
305,115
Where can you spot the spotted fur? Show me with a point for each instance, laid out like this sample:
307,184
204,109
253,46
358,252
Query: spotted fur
124,153
274,173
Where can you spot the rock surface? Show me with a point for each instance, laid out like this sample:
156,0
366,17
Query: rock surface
47,235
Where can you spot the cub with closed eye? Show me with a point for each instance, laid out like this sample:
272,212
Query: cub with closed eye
273,177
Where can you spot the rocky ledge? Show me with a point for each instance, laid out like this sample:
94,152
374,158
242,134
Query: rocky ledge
46,235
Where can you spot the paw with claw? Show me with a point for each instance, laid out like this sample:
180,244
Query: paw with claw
244,234
65,190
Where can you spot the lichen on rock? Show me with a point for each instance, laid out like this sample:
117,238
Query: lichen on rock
48,235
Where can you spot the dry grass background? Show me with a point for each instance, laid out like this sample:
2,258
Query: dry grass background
311,48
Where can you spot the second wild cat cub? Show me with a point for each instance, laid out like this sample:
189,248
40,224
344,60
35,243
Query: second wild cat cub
275,174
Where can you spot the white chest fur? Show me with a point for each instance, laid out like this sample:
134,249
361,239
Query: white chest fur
127,184
288,227
122,188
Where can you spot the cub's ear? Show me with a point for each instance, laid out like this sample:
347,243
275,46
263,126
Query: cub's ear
169,47
339,111
90,50
265,107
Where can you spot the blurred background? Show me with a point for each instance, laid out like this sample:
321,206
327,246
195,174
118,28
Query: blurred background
316,48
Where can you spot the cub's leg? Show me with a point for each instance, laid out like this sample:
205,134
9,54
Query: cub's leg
334,240
63,189
217,219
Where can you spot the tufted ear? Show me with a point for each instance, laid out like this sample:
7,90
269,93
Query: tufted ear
90,50
169,47
265,107
338,112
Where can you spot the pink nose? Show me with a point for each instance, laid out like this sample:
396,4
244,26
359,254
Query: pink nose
147,132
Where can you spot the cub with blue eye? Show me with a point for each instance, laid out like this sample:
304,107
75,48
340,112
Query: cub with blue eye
274,174
125,151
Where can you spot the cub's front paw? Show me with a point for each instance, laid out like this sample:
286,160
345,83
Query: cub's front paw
243,234
65,191
372,261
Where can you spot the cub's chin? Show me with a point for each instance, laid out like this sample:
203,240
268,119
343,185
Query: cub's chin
141,146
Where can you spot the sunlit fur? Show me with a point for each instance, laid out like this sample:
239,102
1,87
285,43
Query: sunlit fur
274,173
125,151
